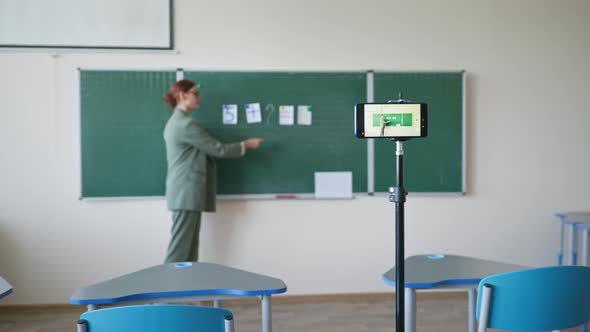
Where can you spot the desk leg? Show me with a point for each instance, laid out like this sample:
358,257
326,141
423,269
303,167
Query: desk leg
471,309
410,309
585,247
266,315
573,244
560,254
217,303
92,307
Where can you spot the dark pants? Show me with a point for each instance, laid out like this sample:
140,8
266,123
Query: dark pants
184,243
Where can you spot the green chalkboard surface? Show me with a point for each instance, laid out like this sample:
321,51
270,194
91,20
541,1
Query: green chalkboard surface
434,163
290,155
123,117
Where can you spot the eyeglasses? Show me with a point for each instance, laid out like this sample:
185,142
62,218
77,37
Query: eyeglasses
196,93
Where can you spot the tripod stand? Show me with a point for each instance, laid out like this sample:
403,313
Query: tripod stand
397,195
398,123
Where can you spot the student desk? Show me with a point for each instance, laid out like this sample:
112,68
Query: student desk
571,219
444,272
5,288
182,282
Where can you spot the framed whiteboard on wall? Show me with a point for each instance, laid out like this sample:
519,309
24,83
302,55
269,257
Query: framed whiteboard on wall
112,24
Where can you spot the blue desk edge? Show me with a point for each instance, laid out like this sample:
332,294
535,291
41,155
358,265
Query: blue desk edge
8,292
434,284
179,294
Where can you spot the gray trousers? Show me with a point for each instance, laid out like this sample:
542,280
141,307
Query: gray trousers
184,241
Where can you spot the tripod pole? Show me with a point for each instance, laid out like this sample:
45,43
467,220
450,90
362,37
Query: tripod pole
397,194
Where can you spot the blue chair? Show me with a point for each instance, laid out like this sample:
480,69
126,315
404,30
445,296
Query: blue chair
157,318
542,299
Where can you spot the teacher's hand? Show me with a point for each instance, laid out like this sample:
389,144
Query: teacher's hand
253,143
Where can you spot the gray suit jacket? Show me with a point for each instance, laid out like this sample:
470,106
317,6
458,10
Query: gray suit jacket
191,182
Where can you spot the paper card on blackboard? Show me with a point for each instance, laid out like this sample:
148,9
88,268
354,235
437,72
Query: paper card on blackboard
230,114
286,115
304,115
333,184
253,114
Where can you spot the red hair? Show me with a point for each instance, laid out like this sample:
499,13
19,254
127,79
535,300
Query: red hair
171,97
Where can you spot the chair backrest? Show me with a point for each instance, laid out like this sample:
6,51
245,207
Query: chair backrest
542,299
158,317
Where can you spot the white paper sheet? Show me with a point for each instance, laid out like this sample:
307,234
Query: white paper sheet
253,114
230,114
333,184
304,115
286,115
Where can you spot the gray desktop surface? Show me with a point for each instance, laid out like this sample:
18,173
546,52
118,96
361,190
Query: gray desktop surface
578,218
5,288
573,214
430,271
168,280
574,217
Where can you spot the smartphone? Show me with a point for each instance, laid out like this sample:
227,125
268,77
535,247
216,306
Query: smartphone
391,120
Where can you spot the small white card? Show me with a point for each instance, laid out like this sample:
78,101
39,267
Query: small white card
286,115
304,115
333,184
230,114
253,114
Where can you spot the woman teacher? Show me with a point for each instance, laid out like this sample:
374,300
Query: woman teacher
191,181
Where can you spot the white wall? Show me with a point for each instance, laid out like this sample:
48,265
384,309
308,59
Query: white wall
527,138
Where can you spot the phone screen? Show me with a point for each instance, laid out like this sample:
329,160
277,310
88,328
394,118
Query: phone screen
392,120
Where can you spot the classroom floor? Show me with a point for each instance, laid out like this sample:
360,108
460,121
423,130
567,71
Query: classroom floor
447,312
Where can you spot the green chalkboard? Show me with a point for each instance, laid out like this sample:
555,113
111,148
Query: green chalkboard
434,163
287,160
123,116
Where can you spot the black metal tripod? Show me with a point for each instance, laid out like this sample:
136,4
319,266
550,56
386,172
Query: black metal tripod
397,195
